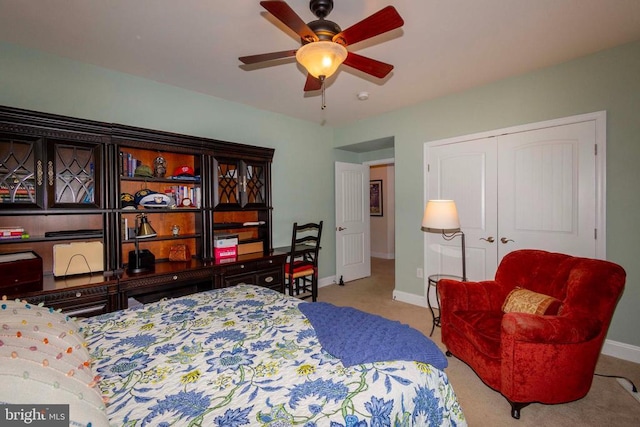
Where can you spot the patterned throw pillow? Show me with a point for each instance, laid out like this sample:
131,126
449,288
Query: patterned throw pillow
522,300
44,360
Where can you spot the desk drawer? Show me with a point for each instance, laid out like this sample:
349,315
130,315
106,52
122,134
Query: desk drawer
269,279
81,302
145,283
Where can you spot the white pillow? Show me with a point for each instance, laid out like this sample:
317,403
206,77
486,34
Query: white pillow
44,360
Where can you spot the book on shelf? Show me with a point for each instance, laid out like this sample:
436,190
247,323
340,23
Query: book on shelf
11,228
127,164
11,231
15,237
8,233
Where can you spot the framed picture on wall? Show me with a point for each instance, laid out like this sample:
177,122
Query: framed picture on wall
375,197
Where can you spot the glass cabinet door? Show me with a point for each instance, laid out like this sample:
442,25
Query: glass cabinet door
21,172
241,184
72,179
227,183
254,184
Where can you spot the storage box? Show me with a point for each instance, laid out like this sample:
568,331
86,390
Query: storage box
248,248
20,273
225,240
230,252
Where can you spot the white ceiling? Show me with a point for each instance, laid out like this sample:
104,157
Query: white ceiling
445,46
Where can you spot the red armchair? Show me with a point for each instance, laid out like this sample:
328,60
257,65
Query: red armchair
548,358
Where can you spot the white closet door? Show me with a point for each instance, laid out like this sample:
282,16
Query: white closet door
546,190
465,172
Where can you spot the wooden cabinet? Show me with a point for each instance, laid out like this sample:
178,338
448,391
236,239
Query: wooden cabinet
63,178
81,300
67,180
47,168
167,189
242,200
168,280
261,271
240,183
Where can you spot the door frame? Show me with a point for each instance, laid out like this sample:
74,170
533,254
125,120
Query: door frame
365,208
600,119
388,161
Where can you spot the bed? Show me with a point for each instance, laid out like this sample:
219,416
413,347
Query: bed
248,356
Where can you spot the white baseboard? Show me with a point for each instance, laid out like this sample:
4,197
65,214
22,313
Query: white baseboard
383,255
621,351
326,281
409,298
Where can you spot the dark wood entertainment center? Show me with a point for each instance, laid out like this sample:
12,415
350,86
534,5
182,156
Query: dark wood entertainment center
66,180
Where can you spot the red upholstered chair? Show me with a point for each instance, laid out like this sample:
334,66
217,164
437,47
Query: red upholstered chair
546,358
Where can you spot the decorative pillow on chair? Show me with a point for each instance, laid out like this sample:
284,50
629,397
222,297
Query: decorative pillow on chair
44,360
522,300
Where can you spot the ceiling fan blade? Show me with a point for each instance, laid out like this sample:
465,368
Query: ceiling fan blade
312,84
253,59
368,65
384,20
288,17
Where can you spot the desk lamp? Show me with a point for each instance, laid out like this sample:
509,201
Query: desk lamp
442,216
142,260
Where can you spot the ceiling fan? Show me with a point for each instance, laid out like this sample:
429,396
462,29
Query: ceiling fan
324,43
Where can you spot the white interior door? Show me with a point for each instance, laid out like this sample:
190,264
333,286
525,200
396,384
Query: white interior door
353,247
546,190
465,172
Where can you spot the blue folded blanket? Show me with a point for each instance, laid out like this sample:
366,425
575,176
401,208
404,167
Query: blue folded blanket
357,337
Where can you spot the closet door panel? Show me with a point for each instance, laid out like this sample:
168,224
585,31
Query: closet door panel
545,190
465,172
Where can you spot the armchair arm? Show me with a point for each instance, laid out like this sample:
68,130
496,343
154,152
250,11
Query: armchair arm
532,328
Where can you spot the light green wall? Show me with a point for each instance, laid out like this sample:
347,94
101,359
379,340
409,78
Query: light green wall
303,162
608,80
304,159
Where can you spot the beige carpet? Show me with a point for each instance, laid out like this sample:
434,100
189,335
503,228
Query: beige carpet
607,404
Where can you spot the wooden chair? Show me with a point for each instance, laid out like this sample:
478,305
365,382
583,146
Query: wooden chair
301,271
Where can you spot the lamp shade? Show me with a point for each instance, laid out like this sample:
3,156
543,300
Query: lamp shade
145,230
441,215
321,58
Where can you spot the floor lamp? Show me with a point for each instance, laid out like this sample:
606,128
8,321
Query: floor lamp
442,216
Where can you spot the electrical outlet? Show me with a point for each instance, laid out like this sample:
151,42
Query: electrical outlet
419,273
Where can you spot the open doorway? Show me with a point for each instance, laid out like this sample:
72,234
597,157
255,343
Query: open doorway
382,208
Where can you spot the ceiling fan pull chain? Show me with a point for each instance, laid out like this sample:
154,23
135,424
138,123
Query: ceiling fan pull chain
324,104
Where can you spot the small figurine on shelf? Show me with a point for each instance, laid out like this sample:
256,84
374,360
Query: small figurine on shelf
159,167
175,230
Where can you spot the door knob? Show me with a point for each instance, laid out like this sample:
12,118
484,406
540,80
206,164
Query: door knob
341,228
489,239
505,240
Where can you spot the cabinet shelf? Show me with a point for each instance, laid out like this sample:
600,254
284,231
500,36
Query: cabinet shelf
52,239
175,181
227,225
176,210
163,238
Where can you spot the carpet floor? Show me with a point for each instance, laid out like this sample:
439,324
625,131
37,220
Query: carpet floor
606,404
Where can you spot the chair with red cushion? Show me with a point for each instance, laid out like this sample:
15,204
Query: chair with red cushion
535,333
301,271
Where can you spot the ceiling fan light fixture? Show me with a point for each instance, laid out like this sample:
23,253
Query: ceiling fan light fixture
321,58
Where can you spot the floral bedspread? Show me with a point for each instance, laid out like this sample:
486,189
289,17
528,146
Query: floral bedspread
246,356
